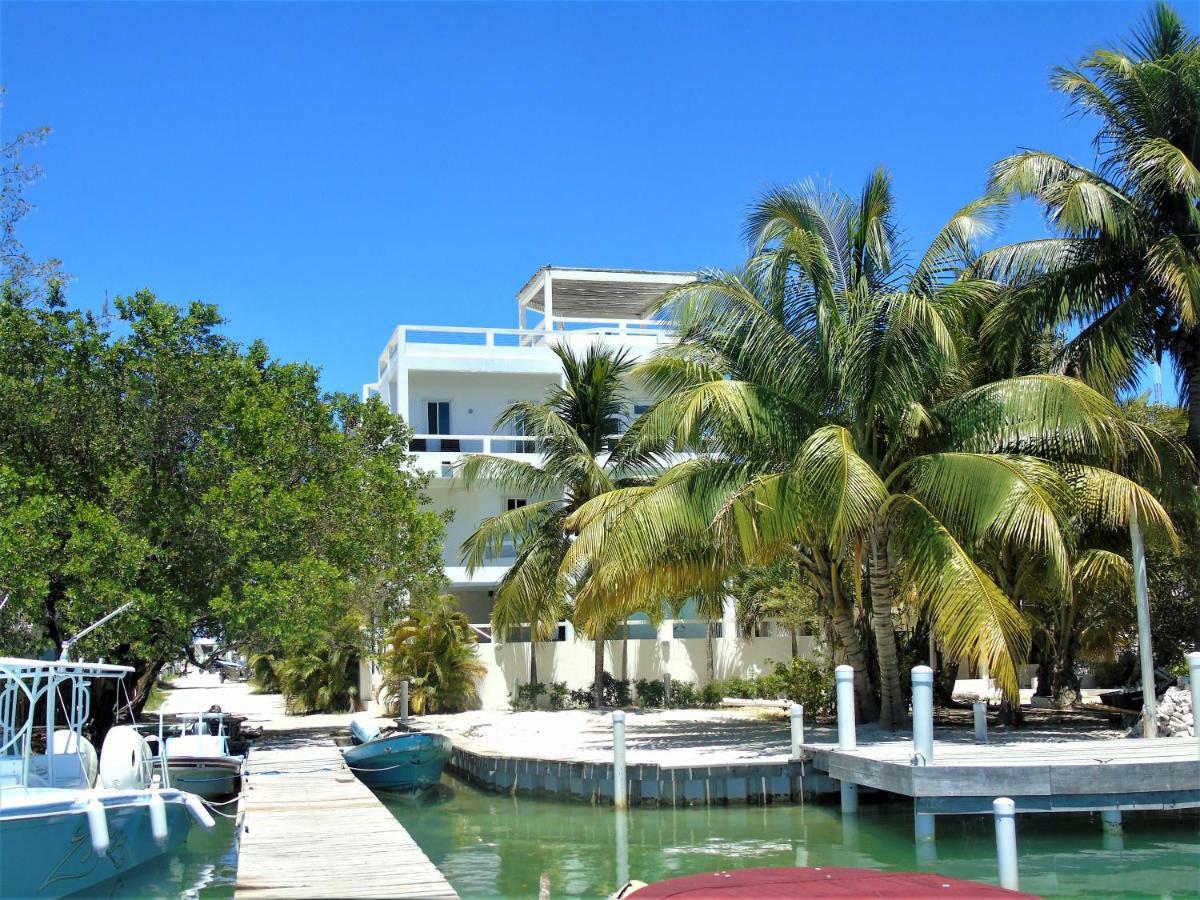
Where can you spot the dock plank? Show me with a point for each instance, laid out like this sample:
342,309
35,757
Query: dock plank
312,829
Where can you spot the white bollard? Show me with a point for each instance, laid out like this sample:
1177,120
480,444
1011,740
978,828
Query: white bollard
404,702
620,795
845,707
1004,811
622,838
1193,661
849,797
797,729
980,721
922,706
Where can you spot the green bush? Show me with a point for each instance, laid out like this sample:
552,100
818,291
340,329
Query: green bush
808,682
613,692
650,693
684,695
711,693
525,696
558,695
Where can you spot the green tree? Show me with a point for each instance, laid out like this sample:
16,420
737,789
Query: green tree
433,649
832,397
1124,266
574,427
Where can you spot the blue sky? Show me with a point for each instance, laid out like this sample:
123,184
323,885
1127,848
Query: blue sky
325,172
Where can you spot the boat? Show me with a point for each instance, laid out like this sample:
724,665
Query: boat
199,761
395,761
69,818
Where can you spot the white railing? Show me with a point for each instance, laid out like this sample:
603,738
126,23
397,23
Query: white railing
471,443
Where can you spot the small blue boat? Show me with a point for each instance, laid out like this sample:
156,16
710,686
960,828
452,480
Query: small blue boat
408,761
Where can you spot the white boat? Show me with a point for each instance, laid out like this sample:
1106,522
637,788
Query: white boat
199,761
70,819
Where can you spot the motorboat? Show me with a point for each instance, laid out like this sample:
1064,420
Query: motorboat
198,759
395,760
71,818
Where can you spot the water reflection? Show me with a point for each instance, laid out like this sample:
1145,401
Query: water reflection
491,845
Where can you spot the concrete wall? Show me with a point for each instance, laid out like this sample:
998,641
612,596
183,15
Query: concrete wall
572,661
475,399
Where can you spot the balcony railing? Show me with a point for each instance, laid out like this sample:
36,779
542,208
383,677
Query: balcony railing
471,443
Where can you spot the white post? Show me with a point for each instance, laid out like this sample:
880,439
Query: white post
622,836
1193,660
620,795
980,721
1111,820
548,302
1005,813
1149,701
849,797
404,702
922,707
797,729
845,707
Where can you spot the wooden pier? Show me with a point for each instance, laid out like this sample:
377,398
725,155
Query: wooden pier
1039,775
312,829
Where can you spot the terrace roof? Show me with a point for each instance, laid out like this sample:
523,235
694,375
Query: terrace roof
598,293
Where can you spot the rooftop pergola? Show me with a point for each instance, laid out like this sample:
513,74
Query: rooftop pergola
596,294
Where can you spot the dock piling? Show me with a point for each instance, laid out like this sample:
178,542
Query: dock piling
666,689
620,794
797,713
845,707
1111,818
922,705
1004,811
849,797
980,707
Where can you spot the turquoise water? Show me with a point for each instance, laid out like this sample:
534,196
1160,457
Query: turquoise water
493,845
205,866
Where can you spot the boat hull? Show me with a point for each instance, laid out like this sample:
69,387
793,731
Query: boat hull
46,846
213,778
402,762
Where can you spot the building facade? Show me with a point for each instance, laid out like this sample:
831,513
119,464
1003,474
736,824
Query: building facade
451,383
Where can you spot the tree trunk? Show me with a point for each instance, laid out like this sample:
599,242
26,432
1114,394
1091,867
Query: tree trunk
708,650
598,684
1189,361
856,657
532,660
625,653
891,697
795,642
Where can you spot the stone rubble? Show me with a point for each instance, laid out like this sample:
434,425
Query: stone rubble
1175,715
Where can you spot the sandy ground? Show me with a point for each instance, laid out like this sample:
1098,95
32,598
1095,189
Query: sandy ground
197,691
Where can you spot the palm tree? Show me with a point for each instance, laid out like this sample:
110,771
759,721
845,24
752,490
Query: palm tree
830,396
433,649
574,428
1124,268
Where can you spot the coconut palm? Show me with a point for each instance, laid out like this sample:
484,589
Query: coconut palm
831,400
574,428
433,649
1124,267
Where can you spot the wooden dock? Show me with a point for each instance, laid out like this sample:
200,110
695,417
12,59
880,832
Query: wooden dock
312,829
1040,775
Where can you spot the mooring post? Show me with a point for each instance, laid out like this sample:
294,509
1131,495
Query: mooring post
980,707
845,707
849,797
924,826
404,702
922,705
797,729
1004,811
621,834
1111,819
666,689
1193,661
620,795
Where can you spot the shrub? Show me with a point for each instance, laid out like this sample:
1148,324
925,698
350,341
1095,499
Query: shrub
434,650
613,692
684,695
525,696
558,695
323,678
711,693
650,693
808,682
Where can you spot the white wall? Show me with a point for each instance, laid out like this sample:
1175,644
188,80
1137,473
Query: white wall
572,661
475,400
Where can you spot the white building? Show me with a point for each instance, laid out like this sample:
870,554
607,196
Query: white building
451,383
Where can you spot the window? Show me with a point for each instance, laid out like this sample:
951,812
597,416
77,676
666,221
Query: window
515,503
508,550
437,414
640,409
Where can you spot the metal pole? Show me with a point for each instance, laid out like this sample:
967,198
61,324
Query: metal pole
797,729
980,707
1149,701
922,706
404,702
1005,813
620,794
845,707
622,838
924,826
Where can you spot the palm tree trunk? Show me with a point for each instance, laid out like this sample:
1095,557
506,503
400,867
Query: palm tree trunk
891,700
708,649
598,684
856,658
532,660
1190,363
795,642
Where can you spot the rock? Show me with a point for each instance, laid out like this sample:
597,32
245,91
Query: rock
1175,715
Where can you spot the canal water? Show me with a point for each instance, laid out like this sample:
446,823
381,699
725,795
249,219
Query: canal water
495,845
205,866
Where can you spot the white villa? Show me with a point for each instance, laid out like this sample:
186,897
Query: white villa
451,383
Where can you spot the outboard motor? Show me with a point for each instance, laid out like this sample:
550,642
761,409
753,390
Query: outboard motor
363,728
125,760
